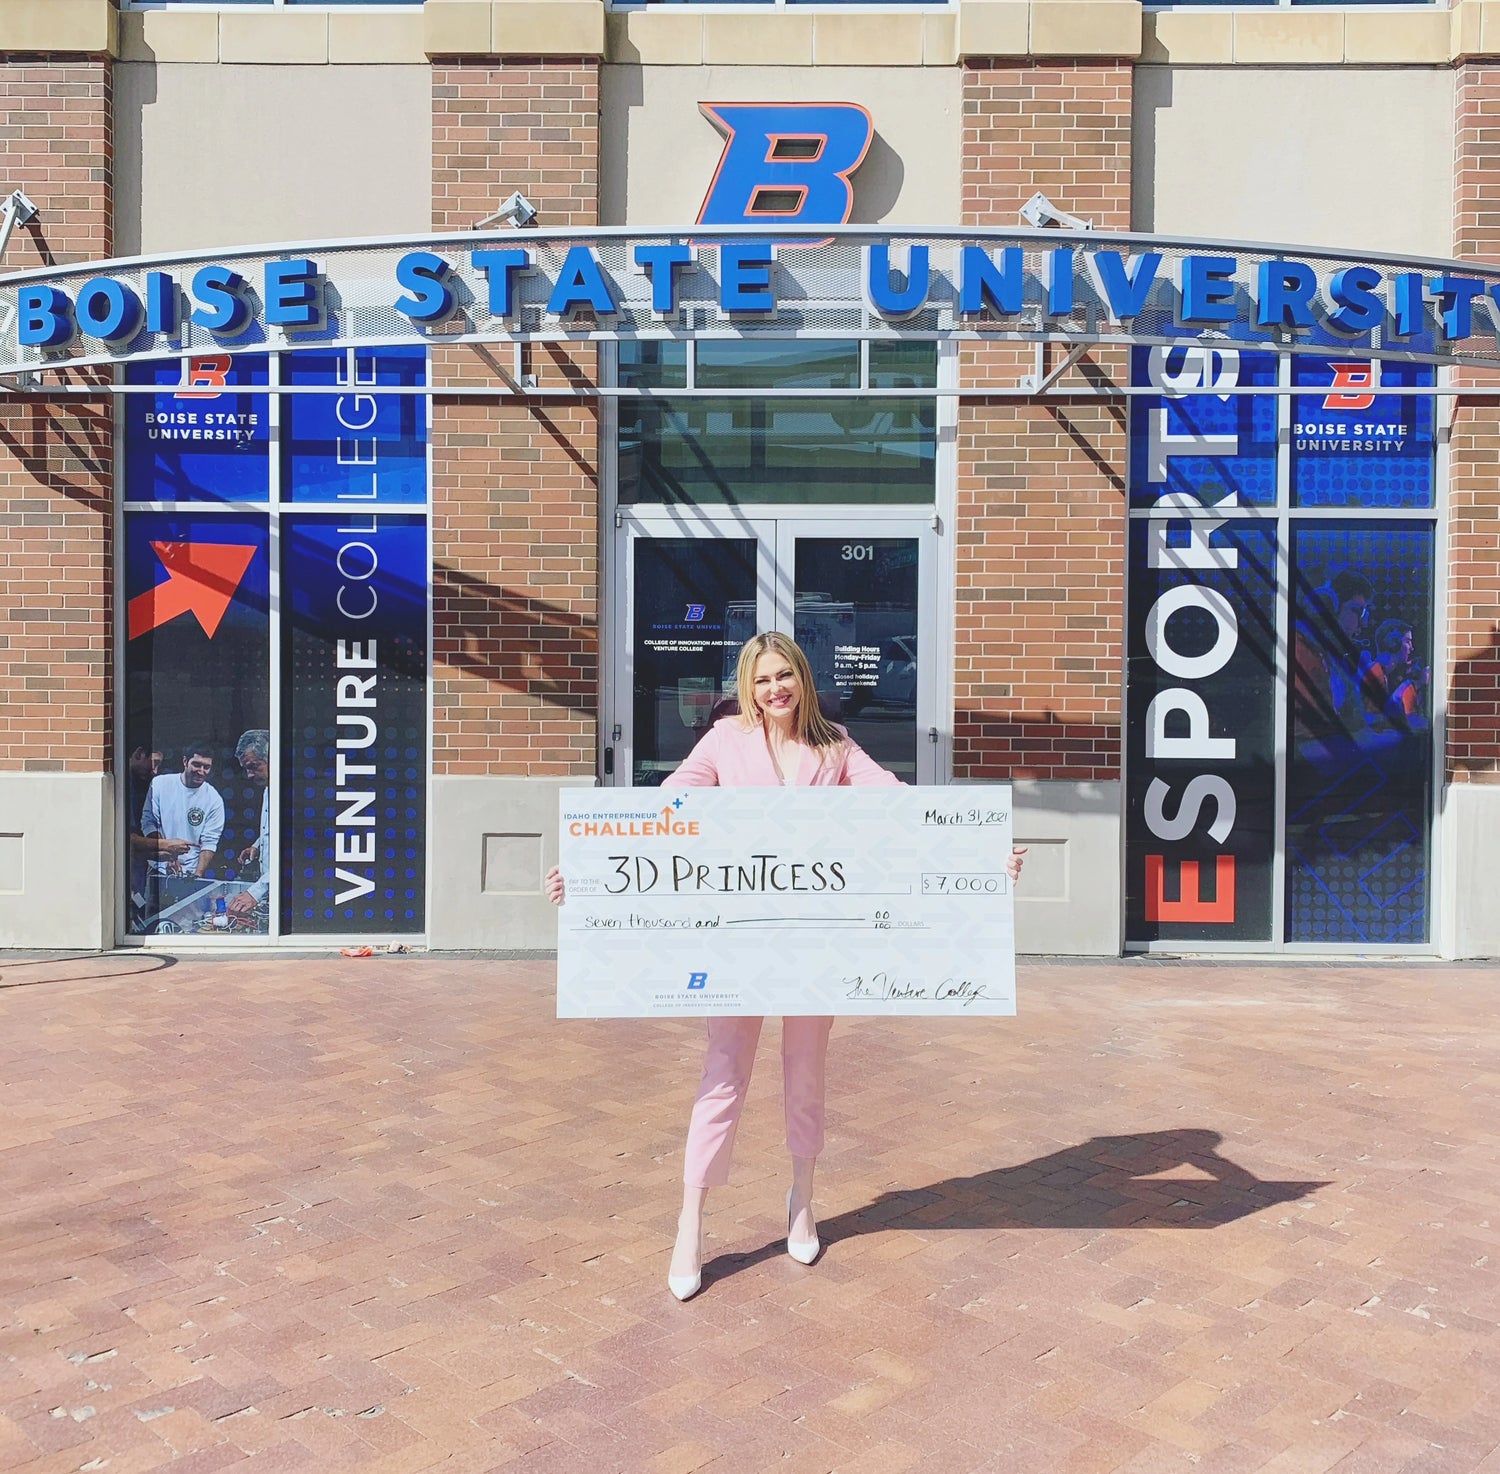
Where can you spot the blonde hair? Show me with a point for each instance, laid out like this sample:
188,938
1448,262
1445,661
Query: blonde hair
809,725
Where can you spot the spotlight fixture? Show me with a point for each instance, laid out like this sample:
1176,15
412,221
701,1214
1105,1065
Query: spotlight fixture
16,210
1039,212
517,212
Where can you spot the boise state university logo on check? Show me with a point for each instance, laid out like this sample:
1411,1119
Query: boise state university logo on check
697,980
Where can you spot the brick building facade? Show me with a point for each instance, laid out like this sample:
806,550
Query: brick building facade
593,115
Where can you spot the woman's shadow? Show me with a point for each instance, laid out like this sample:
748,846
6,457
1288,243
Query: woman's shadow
1155,1179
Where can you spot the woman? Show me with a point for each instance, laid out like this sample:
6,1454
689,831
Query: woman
779,738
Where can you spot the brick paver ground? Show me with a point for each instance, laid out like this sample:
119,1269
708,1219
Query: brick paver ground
389,1215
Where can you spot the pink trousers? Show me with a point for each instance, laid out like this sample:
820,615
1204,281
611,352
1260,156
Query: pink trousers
726,1078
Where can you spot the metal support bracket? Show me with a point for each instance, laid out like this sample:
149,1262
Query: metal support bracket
16,210
1039,382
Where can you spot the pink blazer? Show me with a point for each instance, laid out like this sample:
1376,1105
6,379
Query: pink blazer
730,755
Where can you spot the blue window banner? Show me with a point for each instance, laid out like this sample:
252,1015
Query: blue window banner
1195,438
354,700
694,605
1353,446
1200,730
196,705
205,437
1359,777
362,447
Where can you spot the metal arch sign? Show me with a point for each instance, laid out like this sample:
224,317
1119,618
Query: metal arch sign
811,281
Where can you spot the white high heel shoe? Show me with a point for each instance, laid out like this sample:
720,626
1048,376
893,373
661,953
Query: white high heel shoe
803,1253
685,1286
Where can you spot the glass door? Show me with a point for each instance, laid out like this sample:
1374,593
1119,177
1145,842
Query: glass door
694,590
858,604
690,589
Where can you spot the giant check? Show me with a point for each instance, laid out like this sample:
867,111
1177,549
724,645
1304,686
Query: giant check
785,901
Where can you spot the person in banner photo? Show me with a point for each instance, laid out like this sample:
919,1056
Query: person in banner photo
778,738
1395,680
253,753
1327,699
185,815
143,764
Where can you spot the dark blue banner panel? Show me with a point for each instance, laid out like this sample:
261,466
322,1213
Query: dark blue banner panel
354,699
1359,779
1353,446
203,438
1196,438
1200,753
196,708
361,447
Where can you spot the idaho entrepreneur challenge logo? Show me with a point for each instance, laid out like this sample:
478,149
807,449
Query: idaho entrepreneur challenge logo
636,824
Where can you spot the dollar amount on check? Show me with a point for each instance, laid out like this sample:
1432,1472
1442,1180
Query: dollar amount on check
785,901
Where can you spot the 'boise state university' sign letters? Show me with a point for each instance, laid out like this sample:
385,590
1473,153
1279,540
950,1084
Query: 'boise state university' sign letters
811,281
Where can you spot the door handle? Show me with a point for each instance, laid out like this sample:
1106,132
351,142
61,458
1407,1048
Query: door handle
609,762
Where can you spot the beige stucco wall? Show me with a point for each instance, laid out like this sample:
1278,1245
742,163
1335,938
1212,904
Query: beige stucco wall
224,155
1351,157
659,152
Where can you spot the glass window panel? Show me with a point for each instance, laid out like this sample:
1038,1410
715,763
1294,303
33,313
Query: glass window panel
197,681
360,447
1203,444
354,599
728,451
775,364
899,365
1355,447
855,614
1359,776
202,438
1210,878
653,365
693,606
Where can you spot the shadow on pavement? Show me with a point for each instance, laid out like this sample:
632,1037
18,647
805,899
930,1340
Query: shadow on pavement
1155,1179
87,967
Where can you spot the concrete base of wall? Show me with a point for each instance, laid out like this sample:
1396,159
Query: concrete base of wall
57,860
1469,920
490,843
1069,900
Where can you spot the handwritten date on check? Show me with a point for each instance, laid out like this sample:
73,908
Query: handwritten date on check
886,901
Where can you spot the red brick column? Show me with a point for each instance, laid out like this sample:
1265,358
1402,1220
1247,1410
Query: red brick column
1473,654
515,486
1041,486
56,455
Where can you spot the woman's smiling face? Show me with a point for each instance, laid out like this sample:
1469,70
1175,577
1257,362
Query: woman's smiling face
777,689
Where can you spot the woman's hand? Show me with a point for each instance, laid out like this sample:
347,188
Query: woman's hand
555,887
1012,865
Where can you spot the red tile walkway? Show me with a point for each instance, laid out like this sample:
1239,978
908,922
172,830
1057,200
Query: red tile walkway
390,1215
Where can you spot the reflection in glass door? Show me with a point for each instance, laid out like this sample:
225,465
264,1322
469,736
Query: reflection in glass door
695,589
693,602
855,613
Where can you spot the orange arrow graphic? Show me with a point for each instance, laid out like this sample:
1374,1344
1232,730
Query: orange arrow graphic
201,580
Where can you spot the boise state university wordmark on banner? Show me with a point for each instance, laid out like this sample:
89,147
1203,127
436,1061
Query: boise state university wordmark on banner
205,437
1353,446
